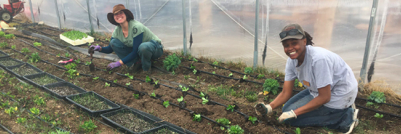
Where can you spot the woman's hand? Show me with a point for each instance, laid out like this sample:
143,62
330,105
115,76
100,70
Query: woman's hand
96,47
287,115
262,109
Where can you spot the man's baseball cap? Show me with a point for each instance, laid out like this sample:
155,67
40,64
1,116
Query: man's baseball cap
292,31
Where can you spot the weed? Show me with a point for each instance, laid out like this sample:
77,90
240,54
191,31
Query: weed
260,76
271,85
34,57
106,84
21,120
252,119
235,129
3,44
87,126
204,100
230,108
36,44
297,130
13,47
67,55
166,104
377,115
9,36
171,62
180,99
24,50
88,63
38,100
136,96
248,70
148,80
197,117
216,63
35,111
96,78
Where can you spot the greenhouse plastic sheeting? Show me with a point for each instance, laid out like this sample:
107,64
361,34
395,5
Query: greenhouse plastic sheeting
224,29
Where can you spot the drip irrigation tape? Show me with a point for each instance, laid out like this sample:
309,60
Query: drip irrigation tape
378,111
5,129
36,31
379,103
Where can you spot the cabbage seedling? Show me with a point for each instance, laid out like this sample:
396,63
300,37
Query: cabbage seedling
204,100
197,117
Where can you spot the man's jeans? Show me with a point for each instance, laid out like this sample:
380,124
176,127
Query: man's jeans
339,119
146,51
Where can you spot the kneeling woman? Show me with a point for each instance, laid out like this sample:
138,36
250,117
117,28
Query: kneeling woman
331,85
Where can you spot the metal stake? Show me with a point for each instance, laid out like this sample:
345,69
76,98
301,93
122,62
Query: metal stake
30,6
184,27
58,14
89,15
255,52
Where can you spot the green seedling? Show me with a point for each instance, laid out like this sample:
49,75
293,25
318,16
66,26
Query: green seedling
115,81
9,36
171,62
271,85
173,73
34,57
244,77
136,96
195,60
156,82
96,78
148,80
197,117
377,97
35,111
192,67
230,108
127,74
13,47
24,50
248,70
230,75
153,94
21,120
59,132
215,63
180,99
235,129
72,73
129,83
58,55
260,76
186,77
252,119
204,100
75,35
202,94
3,44
297,130
71,66
224,122
11,110
2,34
106,84
377,115
87,126
36,44
77,61
88,63
213,72
131,77
184,89
38,100
166,104
67,54
195,71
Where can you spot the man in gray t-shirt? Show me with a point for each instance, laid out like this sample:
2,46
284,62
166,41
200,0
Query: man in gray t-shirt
331,86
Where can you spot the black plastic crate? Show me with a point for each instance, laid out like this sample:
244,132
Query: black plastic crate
10,69
48,88
30,77
92,112
123,129
3,59
3,54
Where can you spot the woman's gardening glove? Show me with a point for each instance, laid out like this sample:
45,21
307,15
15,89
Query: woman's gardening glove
114,65
97,47
262,109
287,115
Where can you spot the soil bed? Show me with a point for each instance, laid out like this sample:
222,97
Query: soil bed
24,70
91,102
44,80
8,62
164,131
64,90
131,122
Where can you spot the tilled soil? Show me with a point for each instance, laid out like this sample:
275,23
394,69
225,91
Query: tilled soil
8,62
91,102
132,122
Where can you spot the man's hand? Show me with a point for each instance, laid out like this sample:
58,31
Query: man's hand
114,65
287,115
262,109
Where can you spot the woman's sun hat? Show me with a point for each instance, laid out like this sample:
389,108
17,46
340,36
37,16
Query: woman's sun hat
116,9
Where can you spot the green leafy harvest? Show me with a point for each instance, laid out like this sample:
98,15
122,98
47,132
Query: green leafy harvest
271,85
171,62
75,35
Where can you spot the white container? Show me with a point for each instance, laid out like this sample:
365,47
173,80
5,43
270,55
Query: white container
88,39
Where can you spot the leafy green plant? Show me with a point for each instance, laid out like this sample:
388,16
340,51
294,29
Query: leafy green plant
129,83
195,71
156,82
197,117
192,67
184,88
202,94
136,96
96,78
59,132
106,84
194,59
87,126
180,99
38,100
2,34
67,54
377,96
13,47
115,81
166,104
186,77
377,115
21,120
173,73
297,130
230,75
72,73
213,72
230,108
75,35
9,36
153,94
77,61
36,44
35,111
244,77
88,63
235,129
248,70
3,44
252,119
260,76
148,80
71,66
24,50
204,100
171,62
271,85
34,57
216,63
252,97
11,110
223,121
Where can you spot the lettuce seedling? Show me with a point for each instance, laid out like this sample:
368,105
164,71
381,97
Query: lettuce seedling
230,108
166,104
106,84
271,85
235,129
184,89
202,94
252,119
180,99
197,117
297,130
215,63
248,70
96,78
136,96
36,44
153,94
260,76
195,71
204,100
377,97
224,122
148,80
230,75
377,115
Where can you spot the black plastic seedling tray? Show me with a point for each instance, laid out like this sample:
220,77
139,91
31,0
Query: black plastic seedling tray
10,69
3,59
89,111
161,131
30,77
123,129
48,88
3,54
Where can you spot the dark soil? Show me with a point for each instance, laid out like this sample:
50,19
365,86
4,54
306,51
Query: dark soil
8,62
64,90
261,109
44,80
164,131
91,102
24,70
1,54
131,122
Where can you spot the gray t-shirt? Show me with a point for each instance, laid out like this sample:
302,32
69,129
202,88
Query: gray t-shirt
320,68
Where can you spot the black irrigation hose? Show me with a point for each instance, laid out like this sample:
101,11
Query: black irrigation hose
5,129
34,30
378,111
379,103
